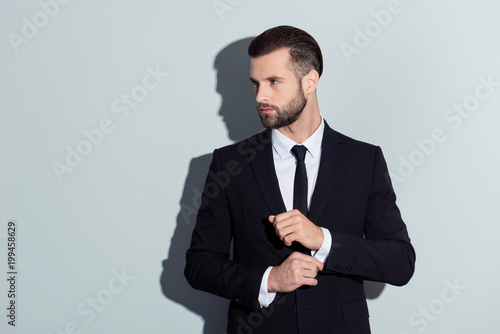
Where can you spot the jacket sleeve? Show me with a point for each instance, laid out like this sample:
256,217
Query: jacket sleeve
385,253
208,264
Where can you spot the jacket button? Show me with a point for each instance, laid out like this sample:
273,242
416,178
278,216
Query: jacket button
295,308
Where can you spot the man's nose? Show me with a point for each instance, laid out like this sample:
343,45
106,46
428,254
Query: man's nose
262,95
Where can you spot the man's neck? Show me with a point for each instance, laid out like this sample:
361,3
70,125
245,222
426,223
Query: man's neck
303,127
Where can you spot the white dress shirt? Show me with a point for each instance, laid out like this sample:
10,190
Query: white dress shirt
284,164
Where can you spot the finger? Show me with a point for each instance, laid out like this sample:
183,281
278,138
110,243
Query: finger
282,222
302,256
310,281
288,219
310,273
283,231
305,258
298,255
288,239
310,264
311,261
295,212
271,218
288,214
318,263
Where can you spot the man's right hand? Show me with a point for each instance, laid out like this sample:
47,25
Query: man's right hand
297,270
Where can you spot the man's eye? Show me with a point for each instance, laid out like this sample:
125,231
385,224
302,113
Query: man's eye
274,82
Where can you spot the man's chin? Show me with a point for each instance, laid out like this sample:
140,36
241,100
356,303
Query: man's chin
268,121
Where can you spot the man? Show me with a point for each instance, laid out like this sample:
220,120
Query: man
311,212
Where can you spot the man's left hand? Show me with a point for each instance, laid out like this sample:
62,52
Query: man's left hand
294,226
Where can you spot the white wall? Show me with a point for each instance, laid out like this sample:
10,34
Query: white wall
116,213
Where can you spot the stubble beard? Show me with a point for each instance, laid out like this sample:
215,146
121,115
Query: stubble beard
283,116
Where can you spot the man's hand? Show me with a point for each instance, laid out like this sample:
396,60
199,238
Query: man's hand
294,226
297,270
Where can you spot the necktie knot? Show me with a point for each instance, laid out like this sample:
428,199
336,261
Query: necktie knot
299,151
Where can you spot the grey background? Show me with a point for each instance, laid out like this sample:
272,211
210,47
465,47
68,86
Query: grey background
119,210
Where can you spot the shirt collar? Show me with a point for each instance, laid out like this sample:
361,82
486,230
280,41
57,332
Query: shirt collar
283,145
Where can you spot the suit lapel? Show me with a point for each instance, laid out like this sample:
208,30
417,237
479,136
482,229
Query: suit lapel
265,173
332,161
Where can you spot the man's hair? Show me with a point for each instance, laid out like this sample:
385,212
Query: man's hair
305,54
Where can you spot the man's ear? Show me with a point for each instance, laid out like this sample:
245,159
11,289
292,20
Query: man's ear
310,82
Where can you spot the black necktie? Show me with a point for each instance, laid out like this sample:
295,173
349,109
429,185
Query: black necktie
300,183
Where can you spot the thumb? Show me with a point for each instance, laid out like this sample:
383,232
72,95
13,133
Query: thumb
271,218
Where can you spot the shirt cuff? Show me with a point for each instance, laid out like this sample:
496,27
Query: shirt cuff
323,252
265,297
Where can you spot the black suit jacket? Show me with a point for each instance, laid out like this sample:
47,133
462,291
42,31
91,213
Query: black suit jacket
353,198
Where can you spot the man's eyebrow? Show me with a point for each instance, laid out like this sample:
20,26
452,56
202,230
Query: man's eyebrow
268,79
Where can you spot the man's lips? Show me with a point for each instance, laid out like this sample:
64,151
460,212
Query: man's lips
266,110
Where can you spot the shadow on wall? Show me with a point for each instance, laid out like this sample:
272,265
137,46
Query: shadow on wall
240,117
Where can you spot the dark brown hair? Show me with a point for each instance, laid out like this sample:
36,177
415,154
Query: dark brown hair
305,53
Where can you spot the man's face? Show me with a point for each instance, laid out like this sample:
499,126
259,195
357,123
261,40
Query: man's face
279,95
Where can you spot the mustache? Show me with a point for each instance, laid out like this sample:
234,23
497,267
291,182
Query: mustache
266,106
